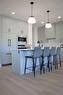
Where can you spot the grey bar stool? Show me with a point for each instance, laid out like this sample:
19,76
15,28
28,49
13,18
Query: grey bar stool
53,57
58,55
45,59
37,54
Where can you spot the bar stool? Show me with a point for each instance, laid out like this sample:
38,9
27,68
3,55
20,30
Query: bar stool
53,57
58,55
45,59
37,54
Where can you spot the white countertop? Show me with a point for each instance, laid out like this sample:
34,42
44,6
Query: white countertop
26,49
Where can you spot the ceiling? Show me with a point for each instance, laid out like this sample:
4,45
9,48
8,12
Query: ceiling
22,9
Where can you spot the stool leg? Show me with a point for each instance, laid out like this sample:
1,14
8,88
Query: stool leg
41,65
33,67
48,65
40,68
56,63
25,65
51,66
44,69
60,60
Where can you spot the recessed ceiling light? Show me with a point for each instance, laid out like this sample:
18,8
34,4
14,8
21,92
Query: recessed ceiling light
59,17
13,13
42,22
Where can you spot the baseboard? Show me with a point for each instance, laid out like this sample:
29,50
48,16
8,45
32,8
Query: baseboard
7,64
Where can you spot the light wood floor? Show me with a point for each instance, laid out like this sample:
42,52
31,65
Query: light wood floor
46,84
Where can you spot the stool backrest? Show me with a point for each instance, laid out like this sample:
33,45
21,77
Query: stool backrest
58,50
46,51
37,52
53,51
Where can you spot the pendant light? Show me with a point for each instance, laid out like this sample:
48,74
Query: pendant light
48,24
31,19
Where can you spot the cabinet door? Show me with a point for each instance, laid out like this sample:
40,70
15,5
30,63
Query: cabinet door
6,58
9,58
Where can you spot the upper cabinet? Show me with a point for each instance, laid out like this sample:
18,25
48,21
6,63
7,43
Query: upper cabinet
11,29
14,26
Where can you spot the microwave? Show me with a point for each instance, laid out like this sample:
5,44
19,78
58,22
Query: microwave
22,39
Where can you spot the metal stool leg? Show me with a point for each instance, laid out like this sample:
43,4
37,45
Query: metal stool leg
60,60
43,66
33,67
25,65
43,69
41,63
48,65
56,63
40,68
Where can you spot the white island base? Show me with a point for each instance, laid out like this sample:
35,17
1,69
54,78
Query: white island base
18,60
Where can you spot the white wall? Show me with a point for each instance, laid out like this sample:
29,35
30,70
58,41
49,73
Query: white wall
59,32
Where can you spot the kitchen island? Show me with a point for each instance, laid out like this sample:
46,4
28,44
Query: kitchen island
18,60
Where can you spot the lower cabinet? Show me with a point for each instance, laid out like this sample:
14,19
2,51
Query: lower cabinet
6,58
9,58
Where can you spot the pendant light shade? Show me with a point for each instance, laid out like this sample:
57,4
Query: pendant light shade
48,24
31,19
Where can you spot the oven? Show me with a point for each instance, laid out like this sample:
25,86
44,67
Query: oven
22,41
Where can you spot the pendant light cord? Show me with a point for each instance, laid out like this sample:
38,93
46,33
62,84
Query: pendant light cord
48,15
32,8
